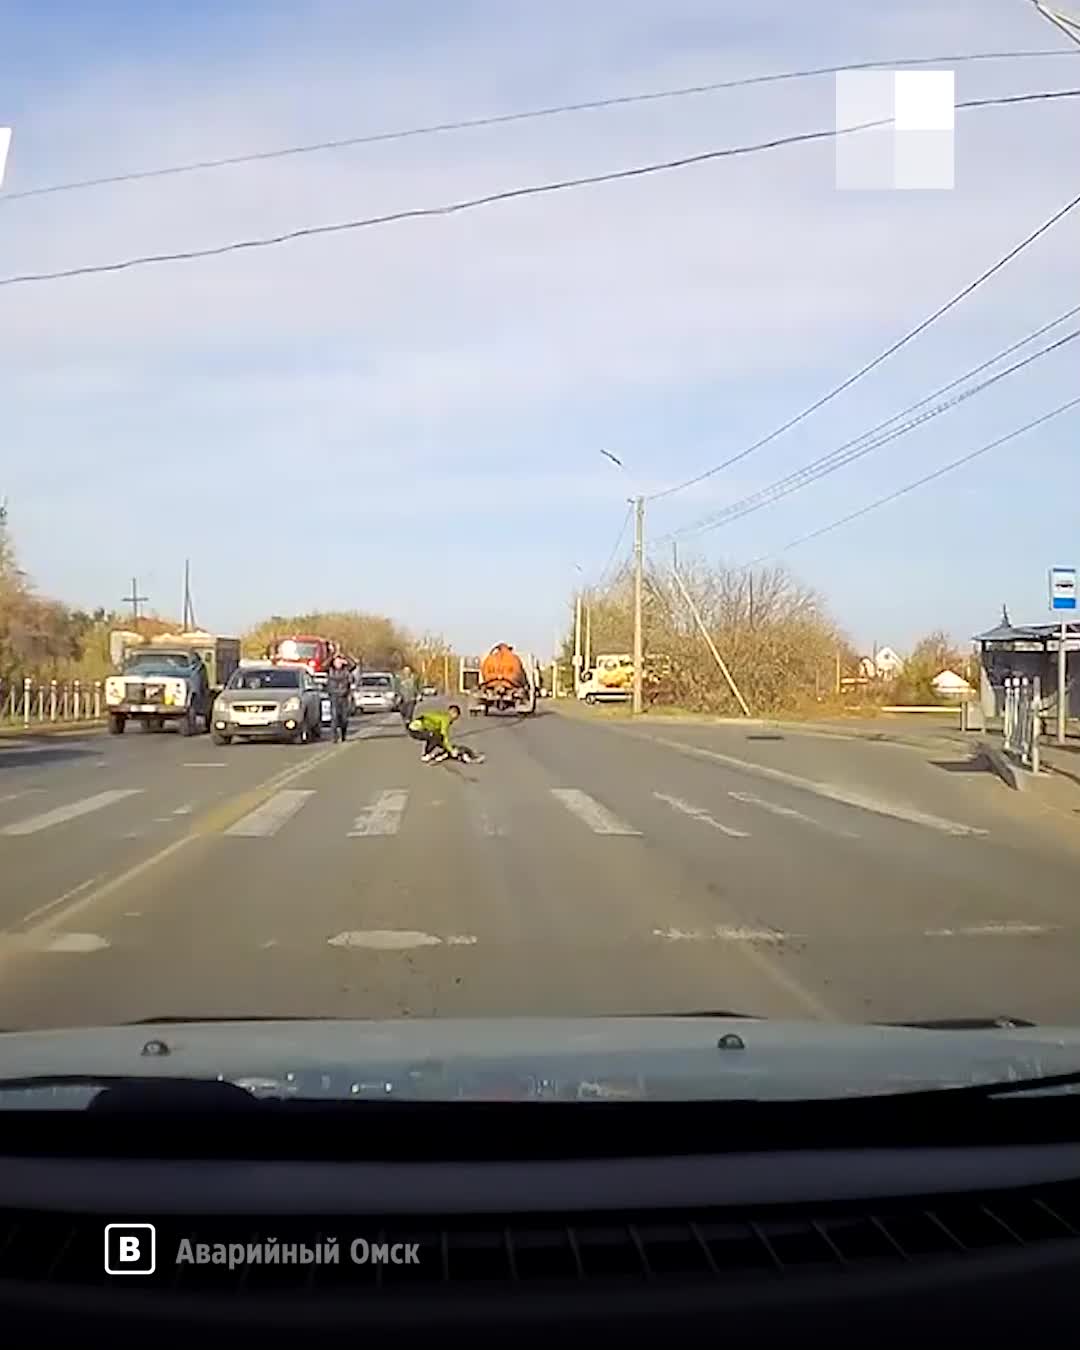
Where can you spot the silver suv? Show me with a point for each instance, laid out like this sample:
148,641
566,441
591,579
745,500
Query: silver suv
266,702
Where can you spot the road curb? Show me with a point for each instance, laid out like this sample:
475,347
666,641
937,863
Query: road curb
21,732
1000,763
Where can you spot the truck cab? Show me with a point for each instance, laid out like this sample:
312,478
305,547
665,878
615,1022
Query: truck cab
169,680
309,650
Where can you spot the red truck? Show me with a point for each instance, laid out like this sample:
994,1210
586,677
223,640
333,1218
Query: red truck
304,649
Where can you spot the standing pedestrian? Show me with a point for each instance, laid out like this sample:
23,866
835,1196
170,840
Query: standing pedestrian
408,689
339,687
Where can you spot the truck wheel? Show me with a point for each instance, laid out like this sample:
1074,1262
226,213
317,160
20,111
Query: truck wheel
219,739
590,699
186,725
117,723
487,709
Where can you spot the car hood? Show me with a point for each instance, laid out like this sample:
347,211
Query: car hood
713,1057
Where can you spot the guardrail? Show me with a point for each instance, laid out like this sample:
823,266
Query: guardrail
27,702
1022,723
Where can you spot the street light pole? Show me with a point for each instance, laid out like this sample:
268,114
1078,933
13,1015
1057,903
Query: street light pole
577,643
639,570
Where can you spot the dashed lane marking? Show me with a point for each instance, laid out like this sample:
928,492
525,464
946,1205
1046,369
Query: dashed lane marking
790,813
76,942
1007,928
720,933
61,814
696,813
397,939
588,810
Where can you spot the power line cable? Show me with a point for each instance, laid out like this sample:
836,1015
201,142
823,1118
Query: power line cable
921,482
882,356
863,445
514,194
501,119
618,545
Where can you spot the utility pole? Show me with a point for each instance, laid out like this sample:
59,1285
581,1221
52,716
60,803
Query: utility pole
577,643
639,570
189,625
588,630
135,600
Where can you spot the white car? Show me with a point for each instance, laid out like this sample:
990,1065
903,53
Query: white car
376,691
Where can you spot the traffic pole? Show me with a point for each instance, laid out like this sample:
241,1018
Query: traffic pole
1061,710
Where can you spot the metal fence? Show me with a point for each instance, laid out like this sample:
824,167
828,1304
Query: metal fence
28,702
1022,723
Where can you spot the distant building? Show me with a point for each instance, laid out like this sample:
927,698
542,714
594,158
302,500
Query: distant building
885,664
947,684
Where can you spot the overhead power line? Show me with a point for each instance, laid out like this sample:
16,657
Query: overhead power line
922,482
501,119
881,357
618,545
865,444
514,194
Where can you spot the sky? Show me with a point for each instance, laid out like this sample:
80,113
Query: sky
408,419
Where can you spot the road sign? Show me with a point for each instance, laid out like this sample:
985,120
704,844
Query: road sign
1062,588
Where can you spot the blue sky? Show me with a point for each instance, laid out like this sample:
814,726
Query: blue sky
408,419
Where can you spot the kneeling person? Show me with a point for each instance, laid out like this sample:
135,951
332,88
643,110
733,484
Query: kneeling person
433,728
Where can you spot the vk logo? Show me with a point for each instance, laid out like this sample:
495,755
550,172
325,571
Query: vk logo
130,1249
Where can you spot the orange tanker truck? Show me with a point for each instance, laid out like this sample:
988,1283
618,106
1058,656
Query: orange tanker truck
508,682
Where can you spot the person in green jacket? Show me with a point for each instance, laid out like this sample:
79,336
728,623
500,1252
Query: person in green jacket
433,728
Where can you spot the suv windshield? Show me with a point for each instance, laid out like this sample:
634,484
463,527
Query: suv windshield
375,681
274,678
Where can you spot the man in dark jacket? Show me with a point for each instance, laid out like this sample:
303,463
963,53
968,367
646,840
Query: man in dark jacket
339,687
409,692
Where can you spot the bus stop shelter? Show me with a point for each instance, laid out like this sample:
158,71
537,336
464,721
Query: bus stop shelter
1028,650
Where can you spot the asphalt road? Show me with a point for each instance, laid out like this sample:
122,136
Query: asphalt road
587,867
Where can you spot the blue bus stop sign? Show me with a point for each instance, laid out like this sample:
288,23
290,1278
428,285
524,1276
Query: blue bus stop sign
1062,588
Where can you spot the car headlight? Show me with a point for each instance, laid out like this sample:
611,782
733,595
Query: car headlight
291,705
